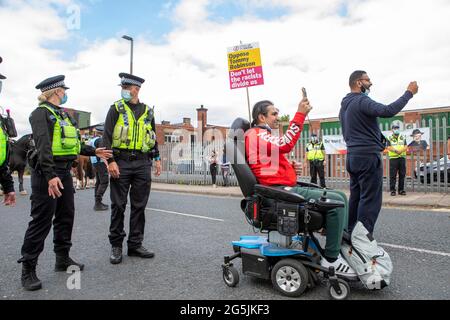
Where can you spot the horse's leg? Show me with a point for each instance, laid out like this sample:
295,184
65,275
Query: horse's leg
80,175
22,191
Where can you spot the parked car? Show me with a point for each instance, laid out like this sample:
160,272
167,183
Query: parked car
430,171
186,166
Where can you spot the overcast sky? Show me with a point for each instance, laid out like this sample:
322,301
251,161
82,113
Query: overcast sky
181,50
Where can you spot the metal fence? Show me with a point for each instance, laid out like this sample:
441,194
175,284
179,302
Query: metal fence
427,171
189,164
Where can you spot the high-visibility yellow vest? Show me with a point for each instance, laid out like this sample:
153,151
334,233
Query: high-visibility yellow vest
315,152
132,134
66,139
3,145
398,143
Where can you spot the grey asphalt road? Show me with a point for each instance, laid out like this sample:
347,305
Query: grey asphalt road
190,234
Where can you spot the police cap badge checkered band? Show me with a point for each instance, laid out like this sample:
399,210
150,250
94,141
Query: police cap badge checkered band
52,83
127,79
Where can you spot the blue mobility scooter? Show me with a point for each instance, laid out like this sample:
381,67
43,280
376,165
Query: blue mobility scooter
286,252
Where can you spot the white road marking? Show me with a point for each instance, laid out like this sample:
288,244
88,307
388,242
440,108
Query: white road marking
185,214
439,253
445,254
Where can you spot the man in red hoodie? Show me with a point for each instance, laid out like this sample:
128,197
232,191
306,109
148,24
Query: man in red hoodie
266,156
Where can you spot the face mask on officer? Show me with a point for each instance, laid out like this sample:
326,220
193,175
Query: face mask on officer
396,132
63,99
126,95
314,139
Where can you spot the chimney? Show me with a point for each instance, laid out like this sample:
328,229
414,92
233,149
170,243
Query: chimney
187,121
202,117
165,123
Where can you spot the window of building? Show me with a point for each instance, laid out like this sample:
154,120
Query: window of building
170,138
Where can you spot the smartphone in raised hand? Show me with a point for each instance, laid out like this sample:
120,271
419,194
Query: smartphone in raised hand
305,96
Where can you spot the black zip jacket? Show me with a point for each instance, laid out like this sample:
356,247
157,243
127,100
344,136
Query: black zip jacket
42,124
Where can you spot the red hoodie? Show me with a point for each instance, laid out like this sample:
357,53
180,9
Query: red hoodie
266,154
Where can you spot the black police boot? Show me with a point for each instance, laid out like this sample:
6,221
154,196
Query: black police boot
99,206
63,262
30,281
140,252
116,255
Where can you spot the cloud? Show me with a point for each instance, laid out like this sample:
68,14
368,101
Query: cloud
313,45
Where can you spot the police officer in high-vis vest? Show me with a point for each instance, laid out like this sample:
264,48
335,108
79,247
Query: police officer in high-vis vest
52,200
6,180
397,147
315,155
130,132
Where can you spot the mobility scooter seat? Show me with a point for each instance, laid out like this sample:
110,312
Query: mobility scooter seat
279,194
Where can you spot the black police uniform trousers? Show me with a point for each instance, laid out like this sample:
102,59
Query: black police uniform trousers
44,211
101,180
135,178
317,168
366,186
397,166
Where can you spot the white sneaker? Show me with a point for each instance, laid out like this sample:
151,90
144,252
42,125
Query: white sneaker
214,186
341,267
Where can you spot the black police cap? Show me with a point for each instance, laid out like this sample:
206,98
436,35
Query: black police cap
416,131
2,77
127,79
395,126
52,83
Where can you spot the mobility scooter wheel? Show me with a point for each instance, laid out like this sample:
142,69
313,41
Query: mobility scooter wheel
345,290
230,276
290,277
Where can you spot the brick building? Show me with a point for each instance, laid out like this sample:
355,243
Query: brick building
179,132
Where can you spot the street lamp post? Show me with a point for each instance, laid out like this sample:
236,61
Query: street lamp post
131,59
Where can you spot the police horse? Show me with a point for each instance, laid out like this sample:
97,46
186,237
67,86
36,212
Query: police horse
84,173
18,151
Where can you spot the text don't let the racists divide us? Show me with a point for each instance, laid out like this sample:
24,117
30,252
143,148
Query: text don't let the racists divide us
244,66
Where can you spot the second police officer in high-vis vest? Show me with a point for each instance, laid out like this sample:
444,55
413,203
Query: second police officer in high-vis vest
397,147
6,179
315,156
52,200
130,132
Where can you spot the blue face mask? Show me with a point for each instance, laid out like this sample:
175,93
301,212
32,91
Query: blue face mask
64,99
365,91
396,132
126,95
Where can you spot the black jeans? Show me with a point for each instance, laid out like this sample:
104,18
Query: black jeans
135,178
397,166
366,187
102,180
43,209
317,168
213,170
